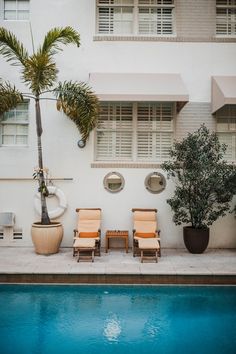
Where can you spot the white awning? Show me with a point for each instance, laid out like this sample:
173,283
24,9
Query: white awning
223,91
139,87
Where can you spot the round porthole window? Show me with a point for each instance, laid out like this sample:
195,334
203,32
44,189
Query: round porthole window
113,182
155,182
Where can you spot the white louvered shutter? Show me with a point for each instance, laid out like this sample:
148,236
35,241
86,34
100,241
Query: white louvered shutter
226,130
154,131
114,132
226,17
155,17
115,16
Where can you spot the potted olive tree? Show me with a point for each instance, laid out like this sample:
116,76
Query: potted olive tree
203,185
39,74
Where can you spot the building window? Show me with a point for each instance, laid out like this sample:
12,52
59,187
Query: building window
134,131
14,126
226,17
114,132
137,17
16,9
226,130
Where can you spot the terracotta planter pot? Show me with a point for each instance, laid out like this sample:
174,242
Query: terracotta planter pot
47,238
196,240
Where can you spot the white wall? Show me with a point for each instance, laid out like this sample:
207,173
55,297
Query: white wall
196,62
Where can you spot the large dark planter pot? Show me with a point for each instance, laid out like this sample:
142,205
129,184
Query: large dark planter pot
196,240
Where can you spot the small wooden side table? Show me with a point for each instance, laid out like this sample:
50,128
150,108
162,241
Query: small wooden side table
123,234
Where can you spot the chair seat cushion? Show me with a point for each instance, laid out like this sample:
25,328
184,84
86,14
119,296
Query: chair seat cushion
151,243
145,234
84,243
88,234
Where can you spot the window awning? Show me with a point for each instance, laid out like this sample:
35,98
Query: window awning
139,87
223,91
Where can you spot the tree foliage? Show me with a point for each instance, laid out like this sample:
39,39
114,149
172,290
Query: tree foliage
9,97
39,73
205,183
80,104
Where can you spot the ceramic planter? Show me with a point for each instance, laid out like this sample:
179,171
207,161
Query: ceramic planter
196,240
47,238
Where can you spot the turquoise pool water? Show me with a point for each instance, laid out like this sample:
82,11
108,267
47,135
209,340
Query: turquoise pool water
117,319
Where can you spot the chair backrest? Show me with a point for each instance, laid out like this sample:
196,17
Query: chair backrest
89,220
145,220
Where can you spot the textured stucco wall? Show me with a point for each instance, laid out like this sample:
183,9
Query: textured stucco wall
196,62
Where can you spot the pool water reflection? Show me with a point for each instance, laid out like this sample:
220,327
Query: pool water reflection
117,319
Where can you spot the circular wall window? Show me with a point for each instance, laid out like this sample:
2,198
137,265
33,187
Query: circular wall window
114,182
155,182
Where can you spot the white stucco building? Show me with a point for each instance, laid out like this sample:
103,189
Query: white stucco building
154,65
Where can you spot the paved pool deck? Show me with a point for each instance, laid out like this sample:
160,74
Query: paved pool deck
176,266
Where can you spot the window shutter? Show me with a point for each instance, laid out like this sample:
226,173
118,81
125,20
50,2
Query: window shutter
105,20
115,16
154,131
226,17
156,2
226,130
155,17
114,132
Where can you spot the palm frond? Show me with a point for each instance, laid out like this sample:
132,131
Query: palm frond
80,104
39,73
9,97
57,36
11,48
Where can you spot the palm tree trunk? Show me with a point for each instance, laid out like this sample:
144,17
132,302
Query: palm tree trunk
44,213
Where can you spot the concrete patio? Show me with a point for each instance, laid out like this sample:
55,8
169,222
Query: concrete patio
175,266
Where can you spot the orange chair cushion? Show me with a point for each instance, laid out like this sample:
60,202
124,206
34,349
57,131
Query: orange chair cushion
88,234
145,234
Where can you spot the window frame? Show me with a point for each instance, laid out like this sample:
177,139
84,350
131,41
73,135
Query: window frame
16,123
16,11
136,6
134,143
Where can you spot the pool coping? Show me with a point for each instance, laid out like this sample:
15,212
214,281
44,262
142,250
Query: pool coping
176,266
130,279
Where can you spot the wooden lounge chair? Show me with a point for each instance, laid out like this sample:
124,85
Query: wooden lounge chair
145,227
88,228
85,248
149,248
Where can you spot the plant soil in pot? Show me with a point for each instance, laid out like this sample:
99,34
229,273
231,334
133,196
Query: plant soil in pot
196,240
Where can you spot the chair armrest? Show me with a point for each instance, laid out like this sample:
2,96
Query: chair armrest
75,232
134,231
158,232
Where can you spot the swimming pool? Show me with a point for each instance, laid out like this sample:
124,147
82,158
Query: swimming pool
42,319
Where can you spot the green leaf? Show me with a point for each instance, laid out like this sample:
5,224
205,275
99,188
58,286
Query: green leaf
205,183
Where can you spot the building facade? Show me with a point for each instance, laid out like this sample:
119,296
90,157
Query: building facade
160,68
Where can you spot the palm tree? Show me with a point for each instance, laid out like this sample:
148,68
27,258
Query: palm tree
9,97
39,73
